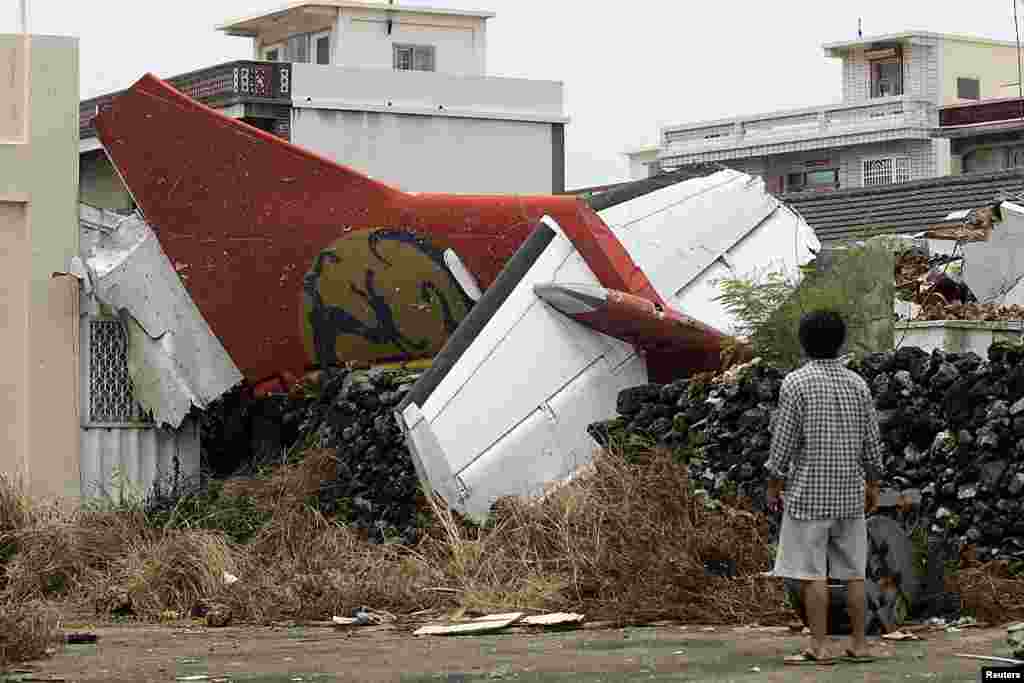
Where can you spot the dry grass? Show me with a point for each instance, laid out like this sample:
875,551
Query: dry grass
624,541
990,593
26,631
289,485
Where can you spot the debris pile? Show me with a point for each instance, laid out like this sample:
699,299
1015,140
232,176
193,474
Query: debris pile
353,415
925,280
989,312
347,412
952,427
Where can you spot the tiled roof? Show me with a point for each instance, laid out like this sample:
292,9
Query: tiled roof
899,208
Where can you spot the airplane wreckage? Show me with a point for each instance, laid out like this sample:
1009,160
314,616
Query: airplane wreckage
295,262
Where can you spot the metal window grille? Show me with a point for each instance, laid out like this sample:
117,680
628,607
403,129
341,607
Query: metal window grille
414,57
901,171
111,398
885,171
403,58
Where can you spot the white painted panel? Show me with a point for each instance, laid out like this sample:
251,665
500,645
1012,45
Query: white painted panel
535,353
622,216
142,456
783,242
518,466
678,240
992,269
518,303
550,444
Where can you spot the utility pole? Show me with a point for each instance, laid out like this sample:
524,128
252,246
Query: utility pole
23,16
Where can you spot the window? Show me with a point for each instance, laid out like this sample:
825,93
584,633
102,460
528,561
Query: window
1015,157
297,49
322,47
886,171
990,160
886,77
272,55
813,180
111,397
968,89
414,57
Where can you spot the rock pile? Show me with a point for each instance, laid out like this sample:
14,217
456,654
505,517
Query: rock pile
952,427
354,416
347,411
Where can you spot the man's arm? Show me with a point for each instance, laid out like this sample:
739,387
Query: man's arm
786,438
871,455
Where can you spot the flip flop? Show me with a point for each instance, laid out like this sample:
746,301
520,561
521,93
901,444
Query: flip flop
807,658
857,659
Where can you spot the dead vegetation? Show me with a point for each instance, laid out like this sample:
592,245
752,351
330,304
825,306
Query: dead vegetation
991,592
27,631
626,541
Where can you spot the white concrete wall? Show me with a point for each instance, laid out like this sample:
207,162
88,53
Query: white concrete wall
425,92
921,76
638,163
362,40
922,153
957,336
432,132
432,153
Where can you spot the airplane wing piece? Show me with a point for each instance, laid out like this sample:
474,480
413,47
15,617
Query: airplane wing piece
590,305
506,410
691,344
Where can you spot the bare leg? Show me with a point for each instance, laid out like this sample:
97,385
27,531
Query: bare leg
815,595
857,609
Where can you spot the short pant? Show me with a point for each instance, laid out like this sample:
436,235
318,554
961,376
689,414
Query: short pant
815,549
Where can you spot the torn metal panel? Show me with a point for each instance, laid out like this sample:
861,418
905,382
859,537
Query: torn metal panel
174,359
995,267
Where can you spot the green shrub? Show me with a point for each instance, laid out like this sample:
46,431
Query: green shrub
858,284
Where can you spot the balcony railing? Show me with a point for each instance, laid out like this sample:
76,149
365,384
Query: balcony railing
798,125
991,111
219,86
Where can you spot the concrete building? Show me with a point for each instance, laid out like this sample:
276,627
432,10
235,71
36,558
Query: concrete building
984,136
39,373
399,93
881,132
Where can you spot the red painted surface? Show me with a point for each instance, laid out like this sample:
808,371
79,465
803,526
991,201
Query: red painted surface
990,111
246,214
674,342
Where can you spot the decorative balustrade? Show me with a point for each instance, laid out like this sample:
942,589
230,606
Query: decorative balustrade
802,124
217,86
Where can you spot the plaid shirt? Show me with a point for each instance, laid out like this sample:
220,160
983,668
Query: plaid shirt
825,441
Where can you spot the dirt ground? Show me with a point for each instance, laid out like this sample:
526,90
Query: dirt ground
319,654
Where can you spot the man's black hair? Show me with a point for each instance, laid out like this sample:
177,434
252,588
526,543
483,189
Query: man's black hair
822,334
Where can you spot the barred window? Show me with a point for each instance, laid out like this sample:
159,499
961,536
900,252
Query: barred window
111,397
886,171
414,57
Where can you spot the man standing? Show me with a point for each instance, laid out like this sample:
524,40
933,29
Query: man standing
826,446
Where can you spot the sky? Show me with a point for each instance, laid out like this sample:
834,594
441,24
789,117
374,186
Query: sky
628,67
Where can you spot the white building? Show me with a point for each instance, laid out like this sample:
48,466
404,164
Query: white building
399,93
881,132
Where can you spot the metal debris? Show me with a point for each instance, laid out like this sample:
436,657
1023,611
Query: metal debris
473,627
174,359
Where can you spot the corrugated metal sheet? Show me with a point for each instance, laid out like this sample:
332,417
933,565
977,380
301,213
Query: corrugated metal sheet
142,456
